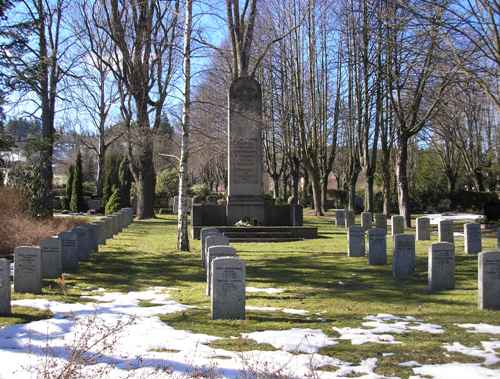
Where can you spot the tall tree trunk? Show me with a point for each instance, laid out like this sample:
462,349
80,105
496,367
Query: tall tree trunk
324,194
402,180
145,182
386,189
316,192
182,216
352,189
276,187
101,159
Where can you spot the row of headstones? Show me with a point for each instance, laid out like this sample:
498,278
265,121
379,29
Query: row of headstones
57,254
472,231
225,276
441,258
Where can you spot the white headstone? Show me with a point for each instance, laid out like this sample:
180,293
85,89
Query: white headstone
5,289
69,243
366,220
51,257
340,217
228,289
489,280
423,229
204,233
350,218
356,241
397,225
441,266
28,269
83,244
472,238
380,221
216,252
403,260
214,240
377,246
445,231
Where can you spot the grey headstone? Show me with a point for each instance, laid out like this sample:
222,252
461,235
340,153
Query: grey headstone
445,231
350,217
403,260
109,226
489,280
366,220
356,241
377,246
216,252
397,225
69,243
101,231
472,238
423,229
340,217
83,244
214,240
51,257
441,267
204,233
380,221
5,289
93,242
27,269
228,289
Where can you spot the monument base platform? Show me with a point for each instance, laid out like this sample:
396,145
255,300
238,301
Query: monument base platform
251,208
262,233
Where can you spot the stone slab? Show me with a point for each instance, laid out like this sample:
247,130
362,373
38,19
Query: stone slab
212,253
356,241
51,250
397,225
445,231
69,244
489,280
228,289
441,267
377,246
28,269
403,260
472,238
5,288
423,229
205,232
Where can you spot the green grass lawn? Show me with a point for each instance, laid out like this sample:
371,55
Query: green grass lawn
317,276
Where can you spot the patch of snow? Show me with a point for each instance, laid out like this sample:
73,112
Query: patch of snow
378,329
487,352
146,347
436,217
409,364
293,340
269,291
291,311
457,370
481,328
359,336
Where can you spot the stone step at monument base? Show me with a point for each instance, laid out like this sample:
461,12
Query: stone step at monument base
263,233
264,239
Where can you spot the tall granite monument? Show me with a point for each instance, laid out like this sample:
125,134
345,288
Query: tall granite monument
245,192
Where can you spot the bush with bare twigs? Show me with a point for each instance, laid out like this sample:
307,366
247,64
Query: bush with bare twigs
17,227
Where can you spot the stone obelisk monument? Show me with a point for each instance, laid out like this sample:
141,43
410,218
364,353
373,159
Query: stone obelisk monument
245,167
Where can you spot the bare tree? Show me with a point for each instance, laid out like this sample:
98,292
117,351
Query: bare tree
142,58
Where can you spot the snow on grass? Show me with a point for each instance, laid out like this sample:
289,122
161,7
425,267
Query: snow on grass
379,329
481,328
409,364
487,352
119,338
293,340
269,291
456,370
291,311
436,217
